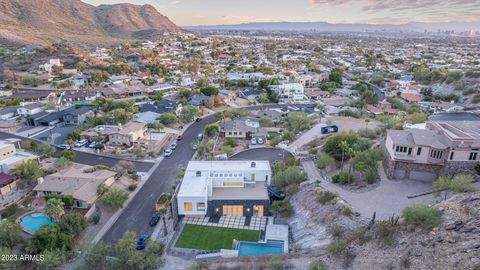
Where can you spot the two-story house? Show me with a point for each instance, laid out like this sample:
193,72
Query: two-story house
77,116
128,134
225,188
443,148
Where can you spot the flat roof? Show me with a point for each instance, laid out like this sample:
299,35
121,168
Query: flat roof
228,165
258,191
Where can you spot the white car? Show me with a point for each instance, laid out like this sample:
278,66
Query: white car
81,143
253,141
260,141
168,152
92,145
173,146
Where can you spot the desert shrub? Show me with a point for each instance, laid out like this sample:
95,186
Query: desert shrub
325,161
326,196
282,207
338,246
342,178
335,230
276,263
291,175
367,133
421,215
232,142
317,264
386,233
133,186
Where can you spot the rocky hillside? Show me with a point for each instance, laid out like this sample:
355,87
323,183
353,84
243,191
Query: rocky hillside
46,21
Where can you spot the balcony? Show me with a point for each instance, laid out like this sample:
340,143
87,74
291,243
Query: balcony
403,156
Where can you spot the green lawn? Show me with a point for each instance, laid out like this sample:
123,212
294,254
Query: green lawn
209,238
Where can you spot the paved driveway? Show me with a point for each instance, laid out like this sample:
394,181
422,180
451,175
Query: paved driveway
270,154
59,133
390,197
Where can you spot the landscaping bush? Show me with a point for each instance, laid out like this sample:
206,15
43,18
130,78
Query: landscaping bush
342,178
48,238
291,175
317,264
386,233
10,210
326,196
421,215
325,161
232,142
114,198
73,223
132,187
367,133
336,247
282,207
66,199
68,154
276,263
332,144
335,230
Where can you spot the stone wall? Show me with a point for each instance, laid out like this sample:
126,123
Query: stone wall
391,165
452,168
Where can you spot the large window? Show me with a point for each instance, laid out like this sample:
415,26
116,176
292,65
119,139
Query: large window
436,154
473,156
419,151
187,206
232,184
403,149
200,206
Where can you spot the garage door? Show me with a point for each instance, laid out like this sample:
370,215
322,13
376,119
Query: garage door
233,210
398,174
422,176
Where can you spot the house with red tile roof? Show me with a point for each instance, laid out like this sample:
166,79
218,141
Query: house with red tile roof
411,97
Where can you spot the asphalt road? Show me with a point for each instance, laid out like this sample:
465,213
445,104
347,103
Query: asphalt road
378,90
270,154
137,214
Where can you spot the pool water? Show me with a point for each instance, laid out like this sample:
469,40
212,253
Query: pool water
252,248
32,222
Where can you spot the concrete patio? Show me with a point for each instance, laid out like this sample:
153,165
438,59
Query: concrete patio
237,222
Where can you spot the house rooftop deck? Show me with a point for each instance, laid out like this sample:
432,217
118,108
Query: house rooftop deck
257,191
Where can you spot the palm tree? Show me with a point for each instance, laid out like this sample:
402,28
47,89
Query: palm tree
344,146
55,208
162,213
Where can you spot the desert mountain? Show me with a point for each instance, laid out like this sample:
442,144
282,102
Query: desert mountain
46,21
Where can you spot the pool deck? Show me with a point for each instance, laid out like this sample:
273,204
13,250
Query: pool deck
277,232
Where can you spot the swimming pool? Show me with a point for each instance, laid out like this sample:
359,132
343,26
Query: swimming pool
32,222
252,249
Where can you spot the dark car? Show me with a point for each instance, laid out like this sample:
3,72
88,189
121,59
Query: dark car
198,119
275,194
154,220
179,138
141,242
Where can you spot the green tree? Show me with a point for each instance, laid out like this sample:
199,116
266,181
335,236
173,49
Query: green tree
274,141
291,175
332,144
74,223
188,113
211,130
80,66
325,161
119,116
266,122
115,198
94,256
162,213
44,149
49,237
55,208
52,258
28,172
298,121
168,119
68,154
10,233
209,91
130,258
336,76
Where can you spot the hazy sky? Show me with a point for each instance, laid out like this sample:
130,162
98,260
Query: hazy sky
196,12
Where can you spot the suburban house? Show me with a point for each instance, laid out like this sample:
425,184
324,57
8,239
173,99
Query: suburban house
80,95
243,128
128,134
198,101
162,106
443,148
227,95
8,112
225,188
30,109
80,181
77,116
384,107
47,67
34,95
7,183
250,93
10,157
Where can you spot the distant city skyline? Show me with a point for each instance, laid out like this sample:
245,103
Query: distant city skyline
211,12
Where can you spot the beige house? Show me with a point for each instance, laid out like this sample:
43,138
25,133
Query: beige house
10,157
443,148
80,181
128,134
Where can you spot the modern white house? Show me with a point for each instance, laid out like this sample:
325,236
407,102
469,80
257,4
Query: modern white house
225,188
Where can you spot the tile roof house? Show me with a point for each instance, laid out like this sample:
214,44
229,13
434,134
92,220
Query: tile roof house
128,134
243,128
411,97
80,181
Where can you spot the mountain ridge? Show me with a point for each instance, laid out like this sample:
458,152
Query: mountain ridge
47,21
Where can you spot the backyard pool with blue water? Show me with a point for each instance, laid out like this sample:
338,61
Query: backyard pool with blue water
32,222
252,248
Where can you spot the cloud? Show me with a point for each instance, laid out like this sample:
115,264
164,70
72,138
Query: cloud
410,9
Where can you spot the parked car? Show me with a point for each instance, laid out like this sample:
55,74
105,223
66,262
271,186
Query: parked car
92,145
167,152
173,146
179,138
81,143
260,141
154,220
253,141
200,137
141,242
195,146
198,119
64,146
